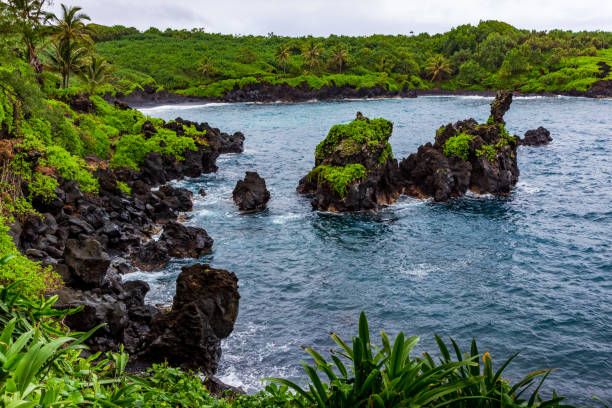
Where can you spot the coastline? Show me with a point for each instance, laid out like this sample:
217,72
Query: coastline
262,93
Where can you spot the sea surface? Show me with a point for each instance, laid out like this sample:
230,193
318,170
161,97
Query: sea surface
531,272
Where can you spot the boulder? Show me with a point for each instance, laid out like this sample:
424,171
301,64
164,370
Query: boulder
87,261
185,242
536,137
354,168
251,193
204,311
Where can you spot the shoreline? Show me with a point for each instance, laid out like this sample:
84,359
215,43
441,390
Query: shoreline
144,100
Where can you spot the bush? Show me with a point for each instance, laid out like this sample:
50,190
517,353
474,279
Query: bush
32,278
338,177
132,149
372,132
365,375
458,145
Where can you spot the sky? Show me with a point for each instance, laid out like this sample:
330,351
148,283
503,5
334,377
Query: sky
349,17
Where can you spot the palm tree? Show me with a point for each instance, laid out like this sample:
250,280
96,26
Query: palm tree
206,67
95,73
311,52
70,29
29,18
339,56
282,55
65,59
438,67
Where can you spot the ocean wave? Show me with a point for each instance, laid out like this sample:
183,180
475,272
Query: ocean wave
182,107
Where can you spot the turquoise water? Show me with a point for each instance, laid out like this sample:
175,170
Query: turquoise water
528,272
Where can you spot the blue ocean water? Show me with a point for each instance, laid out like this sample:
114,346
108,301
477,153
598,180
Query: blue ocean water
531,272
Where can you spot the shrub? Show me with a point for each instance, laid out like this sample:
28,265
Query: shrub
364,375
488,151
132,149
33,279
458,145
338,177
123,187
372,132
70,167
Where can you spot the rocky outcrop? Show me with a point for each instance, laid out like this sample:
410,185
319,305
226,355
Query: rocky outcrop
354,168
251,193
465,156
536,137
203,313
91,240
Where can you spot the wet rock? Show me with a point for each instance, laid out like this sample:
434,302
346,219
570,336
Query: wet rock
203,312
202,192
251,193
536,137
185,242
87,261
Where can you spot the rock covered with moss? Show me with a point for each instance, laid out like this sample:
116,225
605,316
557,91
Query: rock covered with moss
465,156
354,167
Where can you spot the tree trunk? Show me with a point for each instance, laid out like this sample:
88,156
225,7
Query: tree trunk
69,63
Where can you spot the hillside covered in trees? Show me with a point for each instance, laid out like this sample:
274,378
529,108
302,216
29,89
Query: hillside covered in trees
492,55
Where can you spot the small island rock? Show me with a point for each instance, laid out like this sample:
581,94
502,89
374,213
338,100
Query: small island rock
251,193
354,167
536,137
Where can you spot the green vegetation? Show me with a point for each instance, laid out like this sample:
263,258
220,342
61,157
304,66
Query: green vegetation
373,133
488,151
491,55
32,277
43,140
387,376
338,177
41,365
458,145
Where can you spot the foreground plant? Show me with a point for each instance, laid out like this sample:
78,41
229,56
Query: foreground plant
389,377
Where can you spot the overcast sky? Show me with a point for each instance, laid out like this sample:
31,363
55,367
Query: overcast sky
352,17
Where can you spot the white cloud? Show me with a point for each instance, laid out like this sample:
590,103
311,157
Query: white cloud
356,17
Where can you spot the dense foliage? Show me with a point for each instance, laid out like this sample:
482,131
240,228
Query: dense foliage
491,55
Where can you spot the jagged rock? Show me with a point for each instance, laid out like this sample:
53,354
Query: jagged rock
536,137
465,155
87,261
82,104
251,193
185,242
124,314
354,168
204,311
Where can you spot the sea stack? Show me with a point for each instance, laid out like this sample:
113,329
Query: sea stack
354,167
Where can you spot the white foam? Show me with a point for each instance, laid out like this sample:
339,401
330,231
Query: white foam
282,219
182,107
